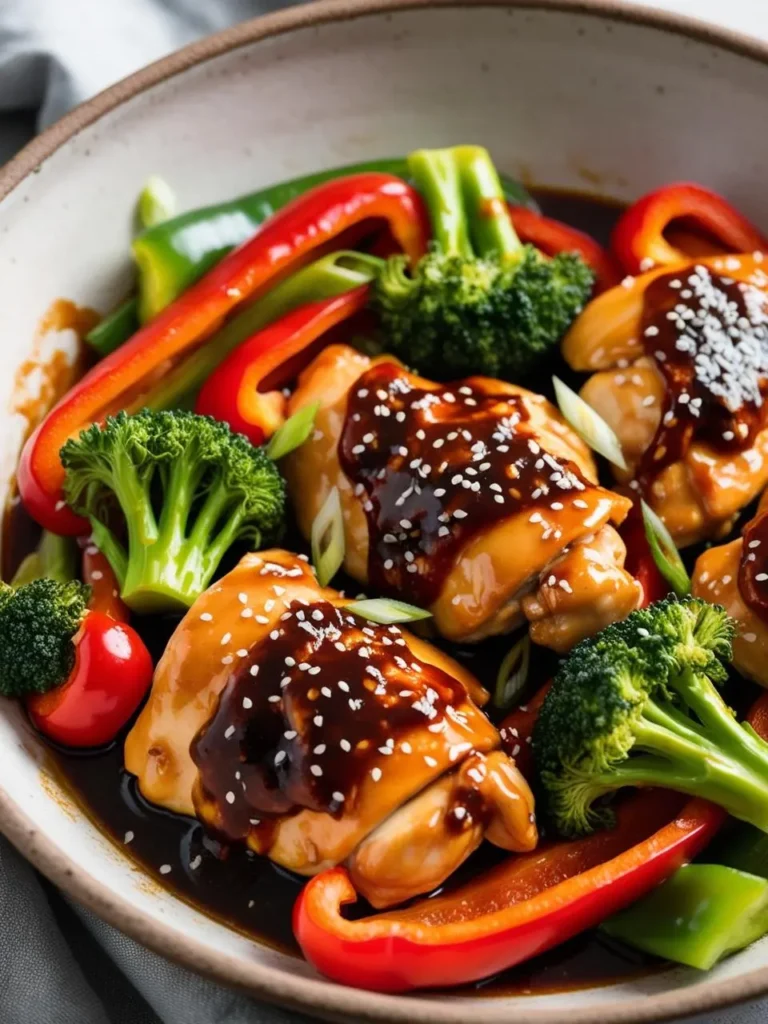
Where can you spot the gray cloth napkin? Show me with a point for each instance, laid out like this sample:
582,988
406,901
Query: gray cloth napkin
58,963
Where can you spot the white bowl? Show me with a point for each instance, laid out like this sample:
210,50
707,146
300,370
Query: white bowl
571,93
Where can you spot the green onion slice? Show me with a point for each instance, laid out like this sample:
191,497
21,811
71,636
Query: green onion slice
590,427
327,539
665,553
385,610
293,433
156,202
513,674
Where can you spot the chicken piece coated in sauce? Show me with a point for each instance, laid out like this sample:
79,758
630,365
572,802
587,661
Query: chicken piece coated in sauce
455,497
320,738
682,371
735,575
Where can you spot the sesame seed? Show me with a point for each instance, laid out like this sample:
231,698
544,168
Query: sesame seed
242,652
226,638
280,756
246,613
165,869
128,837
247,703
230,797
338,797
430,761
376,774
227,659
406,747
318,720
262,619
290,734
254,670
242,598
460,514
345,745
316,770
196,862
229,731
206,617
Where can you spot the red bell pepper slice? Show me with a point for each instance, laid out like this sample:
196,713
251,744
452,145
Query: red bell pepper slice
111,675
105,589
552,237
524,907
232,393
638,239
639,561
285,242
527,905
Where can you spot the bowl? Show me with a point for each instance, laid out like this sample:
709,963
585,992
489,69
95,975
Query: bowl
568,93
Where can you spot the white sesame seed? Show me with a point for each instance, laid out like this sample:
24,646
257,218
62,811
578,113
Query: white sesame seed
196,862
206,617
376,774
318,720
254,670
230,797
165,869
247,703
460,514
128,837
229,731
226,638
227,659
316,770
345,745
262,619
430,761
280,756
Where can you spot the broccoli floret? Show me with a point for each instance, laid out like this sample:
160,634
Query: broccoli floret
167,494
480,301
637,705
37,624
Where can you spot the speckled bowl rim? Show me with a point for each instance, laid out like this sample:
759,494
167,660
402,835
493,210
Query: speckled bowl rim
316,996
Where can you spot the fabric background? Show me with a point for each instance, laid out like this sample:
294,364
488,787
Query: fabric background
58,963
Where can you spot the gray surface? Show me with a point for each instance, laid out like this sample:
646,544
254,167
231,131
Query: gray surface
58,963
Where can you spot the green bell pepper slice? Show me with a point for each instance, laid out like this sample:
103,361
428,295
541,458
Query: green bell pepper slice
697,917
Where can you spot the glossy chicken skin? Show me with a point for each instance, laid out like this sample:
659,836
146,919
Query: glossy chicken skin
392,764
716,579
700,492
504,559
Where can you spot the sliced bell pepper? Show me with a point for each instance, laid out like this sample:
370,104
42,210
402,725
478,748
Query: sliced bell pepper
526,905
331,275
233,392
111,675
122,380
639,561
105,588
638,239
552,236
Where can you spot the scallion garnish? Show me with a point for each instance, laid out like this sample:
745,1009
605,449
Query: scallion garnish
385,610
590,426
156,202
327,539
665,553
293,433
513,674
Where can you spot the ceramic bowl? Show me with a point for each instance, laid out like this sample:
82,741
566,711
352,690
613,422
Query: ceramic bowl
579,94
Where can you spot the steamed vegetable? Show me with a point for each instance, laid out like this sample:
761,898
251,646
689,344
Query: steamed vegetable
480,301
184,488
638,705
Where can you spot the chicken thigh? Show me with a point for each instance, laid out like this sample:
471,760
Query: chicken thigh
319,738
735,575
457,497
682,370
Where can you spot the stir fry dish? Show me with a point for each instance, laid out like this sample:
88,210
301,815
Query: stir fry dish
539,731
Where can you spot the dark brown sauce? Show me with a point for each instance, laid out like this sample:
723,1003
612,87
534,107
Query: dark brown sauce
708,336
329,692
439,465
248,892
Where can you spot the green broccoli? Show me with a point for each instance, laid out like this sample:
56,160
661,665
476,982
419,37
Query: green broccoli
480,301
37,624
637,705
181,489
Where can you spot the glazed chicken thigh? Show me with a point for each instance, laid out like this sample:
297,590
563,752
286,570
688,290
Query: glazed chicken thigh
681,361
473,499
735,575
319,738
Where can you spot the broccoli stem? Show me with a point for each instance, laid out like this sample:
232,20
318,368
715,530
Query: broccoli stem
435,173
485,204
466,202
686,760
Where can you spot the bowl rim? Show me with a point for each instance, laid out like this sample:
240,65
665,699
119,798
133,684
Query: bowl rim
317,995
